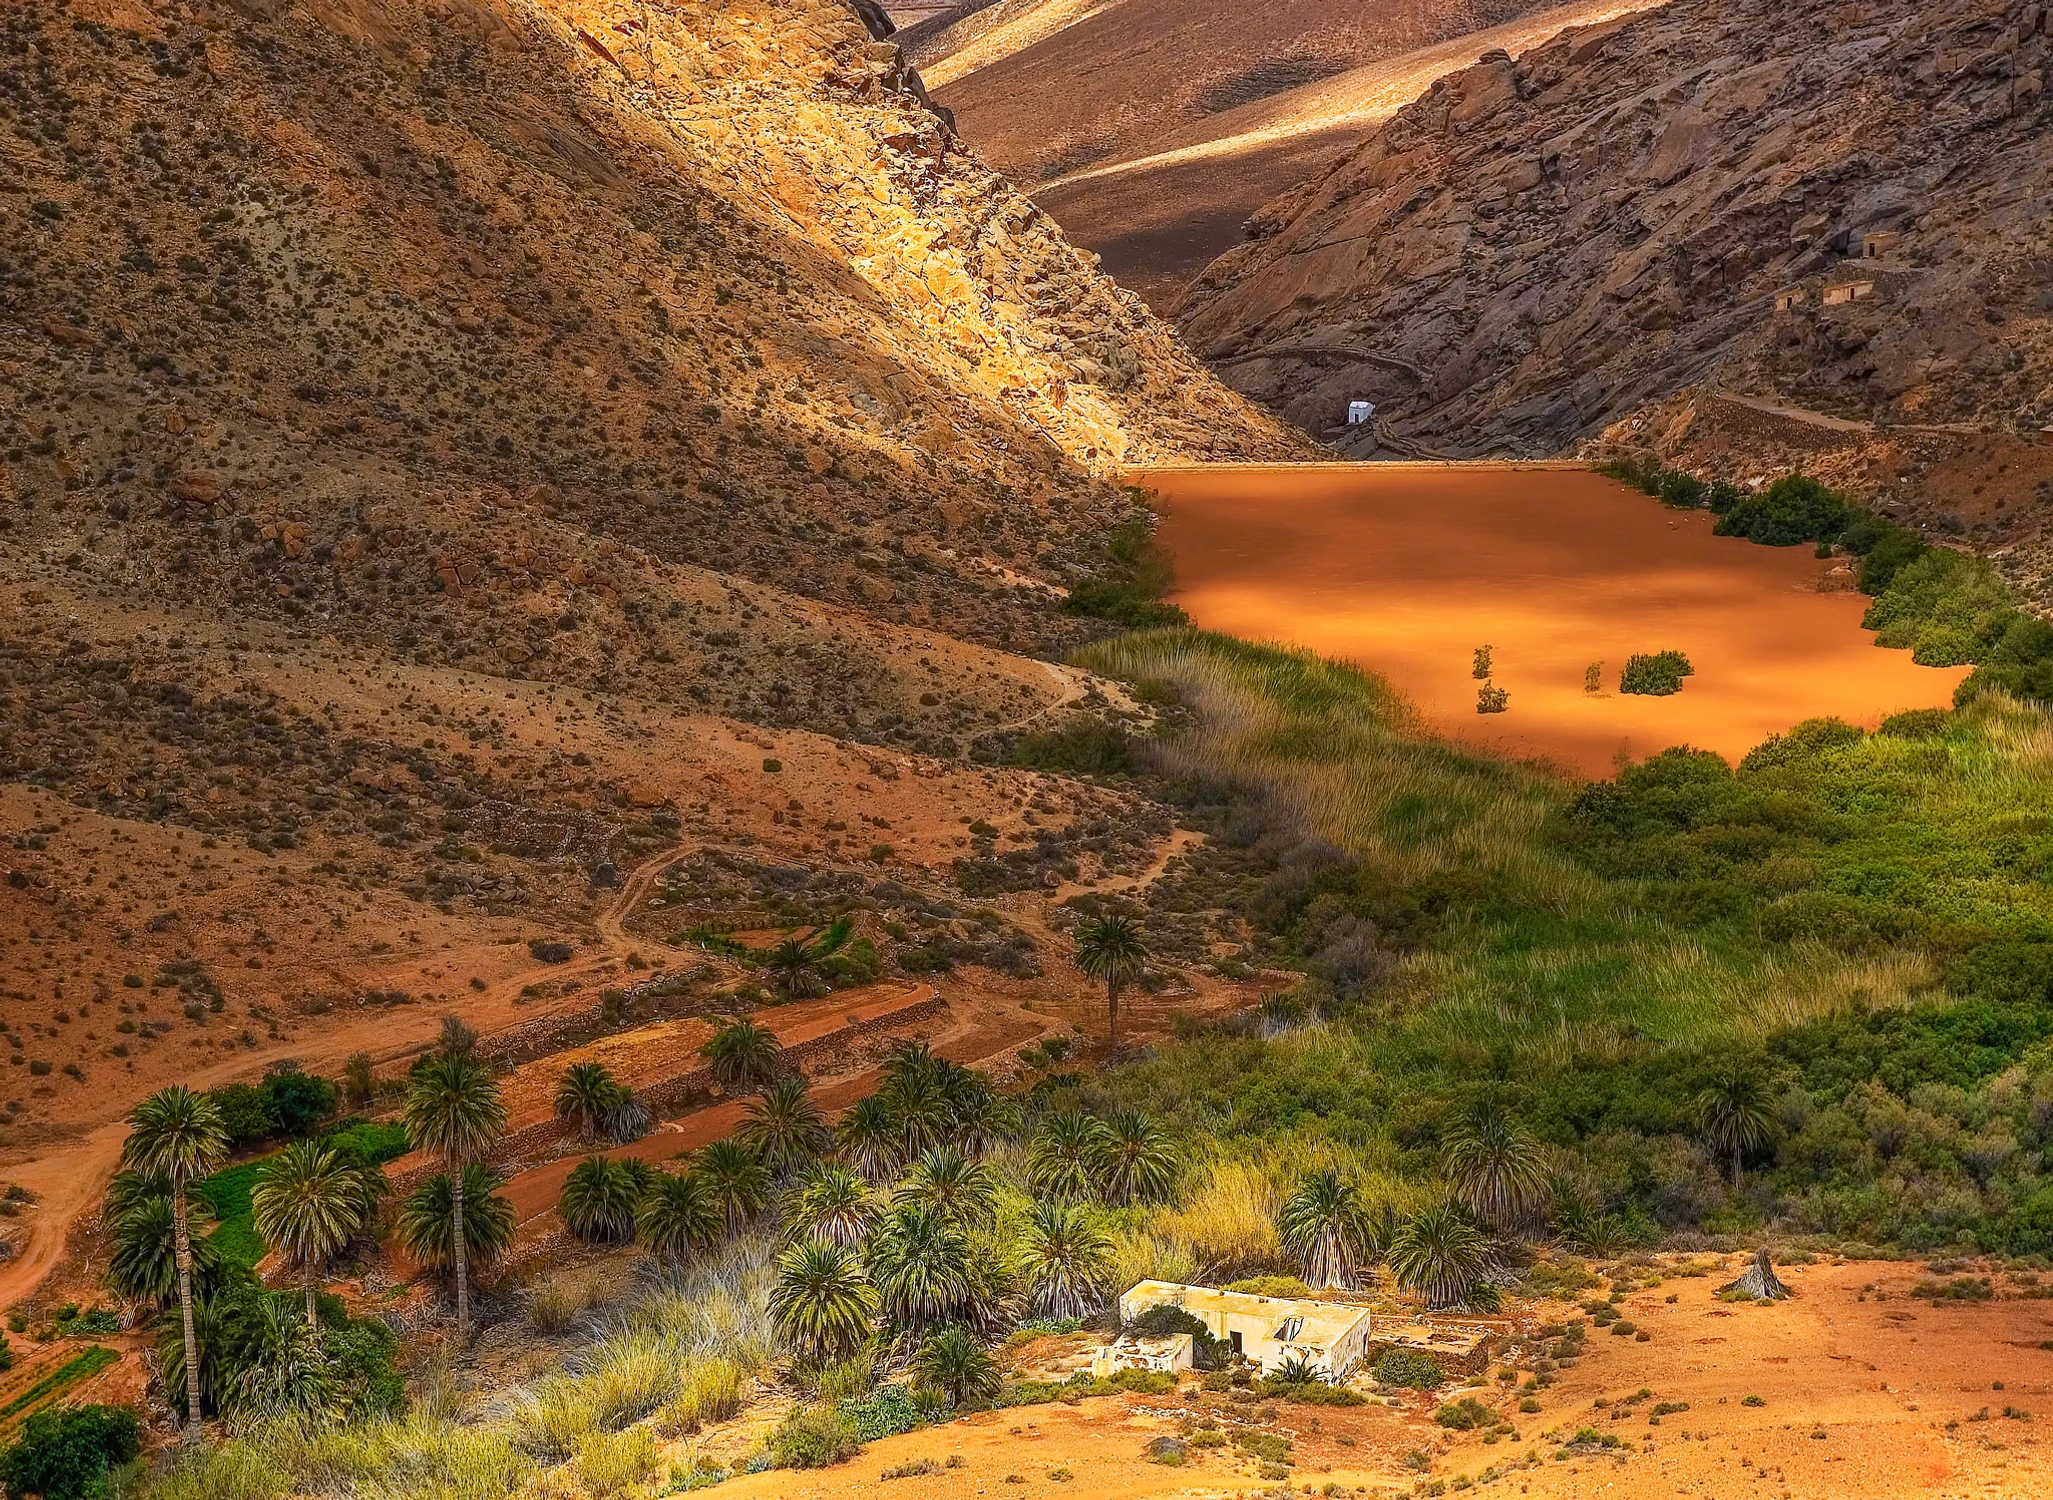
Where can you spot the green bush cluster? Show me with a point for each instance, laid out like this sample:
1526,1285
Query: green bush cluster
1949,609
1089,748
64,1453
287,1103
1129,588
1406,1367
1163,1319
1656,674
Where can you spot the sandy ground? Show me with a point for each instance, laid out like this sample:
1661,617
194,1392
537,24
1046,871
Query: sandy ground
1407,568
1859,1396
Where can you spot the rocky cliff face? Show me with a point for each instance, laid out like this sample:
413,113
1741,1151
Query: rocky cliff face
405,318
1837,208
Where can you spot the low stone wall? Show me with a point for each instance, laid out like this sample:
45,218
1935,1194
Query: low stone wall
1463,1354
669,1097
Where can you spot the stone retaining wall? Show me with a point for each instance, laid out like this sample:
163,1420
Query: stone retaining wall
671,1096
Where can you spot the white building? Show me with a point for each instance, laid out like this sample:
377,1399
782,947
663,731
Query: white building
1331,1337
1359,412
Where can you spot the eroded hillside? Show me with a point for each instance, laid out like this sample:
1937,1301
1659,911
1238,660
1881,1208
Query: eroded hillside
1830,207
461,461
313,305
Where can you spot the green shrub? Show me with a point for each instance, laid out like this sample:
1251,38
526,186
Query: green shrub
1916,724
813,1437
1465,1415
2010,971
1656,674
1163,1319
65,1452
1794,509
1273,1447
1084,749
1408,1368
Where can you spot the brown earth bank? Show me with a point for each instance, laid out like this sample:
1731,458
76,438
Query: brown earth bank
1407,569
1852,1388
1828,208
290,858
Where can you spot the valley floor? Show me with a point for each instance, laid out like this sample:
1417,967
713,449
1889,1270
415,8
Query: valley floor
1863,1392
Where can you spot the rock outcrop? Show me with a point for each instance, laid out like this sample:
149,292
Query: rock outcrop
1838,208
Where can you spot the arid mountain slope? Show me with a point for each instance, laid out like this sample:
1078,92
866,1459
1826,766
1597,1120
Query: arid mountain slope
456,459
1541,246
1159,218
1047,87
505,288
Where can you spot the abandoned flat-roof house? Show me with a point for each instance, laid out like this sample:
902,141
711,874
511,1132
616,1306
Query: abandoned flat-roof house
1331,1337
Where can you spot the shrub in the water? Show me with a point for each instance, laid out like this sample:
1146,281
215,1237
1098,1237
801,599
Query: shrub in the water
1656,674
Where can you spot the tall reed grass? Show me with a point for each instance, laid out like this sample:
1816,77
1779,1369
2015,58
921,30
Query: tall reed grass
1555,966
680,1348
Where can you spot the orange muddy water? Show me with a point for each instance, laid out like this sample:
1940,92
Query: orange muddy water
1406,568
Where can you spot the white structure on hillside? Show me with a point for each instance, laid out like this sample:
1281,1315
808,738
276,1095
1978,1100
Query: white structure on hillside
1331,1337
1359,412
1169,1353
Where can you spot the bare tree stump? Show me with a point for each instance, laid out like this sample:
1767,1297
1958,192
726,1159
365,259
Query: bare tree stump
1760,1281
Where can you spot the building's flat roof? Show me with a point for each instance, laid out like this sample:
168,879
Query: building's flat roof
1323,1322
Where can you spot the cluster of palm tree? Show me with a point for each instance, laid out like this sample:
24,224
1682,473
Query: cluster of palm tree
899,1236
1076,1157
599,1105
1439,1253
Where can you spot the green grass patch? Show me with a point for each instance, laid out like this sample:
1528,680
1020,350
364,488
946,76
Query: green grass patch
375,1140
80,1367
227,1192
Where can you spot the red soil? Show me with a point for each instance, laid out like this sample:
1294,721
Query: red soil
1407,568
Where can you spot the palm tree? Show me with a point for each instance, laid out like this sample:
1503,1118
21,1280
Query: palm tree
283,1370
1111,948
963,1189
309,1203
1065,1260
143,1264
742,1053
177,1135
1140,1160
678,1215
739,1182
1324,1225
920,1112
822,1302
952,1364
427,1220
1733,1113
868,1137
983,1116
453,1111
785,1127
599,1199
1438,1254
834,1205
919,1262
589,1096
1067,1158
796,960
1497,1169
